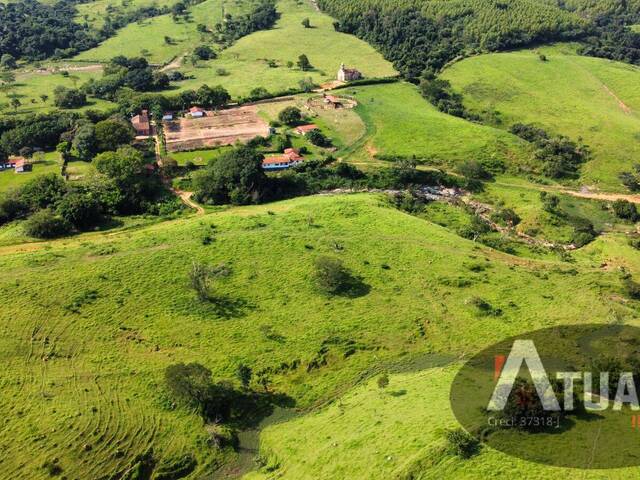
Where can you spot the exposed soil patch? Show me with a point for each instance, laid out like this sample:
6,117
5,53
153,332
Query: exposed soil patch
220,128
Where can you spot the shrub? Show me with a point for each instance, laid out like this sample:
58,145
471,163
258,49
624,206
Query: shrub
506,216
201,278
331,276
69,97
317,138
471,169
383,381
44,224
290,116
191,386
625,210
461,443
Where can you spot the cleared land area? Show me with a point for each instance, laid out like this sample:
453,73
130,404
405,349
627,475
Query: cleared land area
216,128
581,97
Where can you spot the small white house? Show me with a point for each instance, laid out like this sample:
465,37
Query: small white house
196,112
167,117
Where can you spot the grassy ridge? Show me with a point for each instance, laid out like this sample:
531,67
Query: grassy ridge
89,323
576,96
401,123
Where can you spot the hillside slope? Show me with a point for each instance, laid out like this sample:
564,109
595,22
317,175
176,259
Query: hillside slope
89,324
580,97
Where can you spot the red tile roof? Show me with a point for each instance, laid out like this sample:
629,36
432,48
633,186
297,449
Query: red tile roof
290,155
307,128
196,109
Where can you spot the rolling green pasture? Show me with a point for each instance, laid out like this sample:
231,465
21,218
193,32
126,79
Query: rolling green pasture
580,97
146,38
398,433
30,85
245,63
50,163
401,123
89,323
95,12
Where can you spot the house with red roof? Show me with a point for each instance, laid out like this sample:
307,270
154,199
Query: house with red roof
289,158
22,165
141,124
197,112
304,129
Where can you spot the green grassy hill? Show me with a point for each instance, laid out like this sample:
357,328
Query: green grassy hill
597,100
246,63
400,123
145,38
89,323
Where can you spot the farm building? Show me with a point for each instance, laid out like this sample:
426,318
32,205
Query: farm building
196,112
22,165
141,124
289,158
167,117
348,74
304,129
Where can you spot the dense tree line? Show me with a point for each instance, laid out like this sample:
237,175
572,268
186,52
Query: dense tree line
124,185
33,30
237,177
417,34
262,17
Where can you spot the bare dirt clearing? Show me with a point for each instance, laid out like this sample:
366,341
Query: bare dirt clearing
215,129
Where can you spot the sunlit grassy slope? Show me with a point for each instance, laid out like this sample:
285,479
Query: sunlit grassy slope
580,97
89,323
147,37
246,67
401,123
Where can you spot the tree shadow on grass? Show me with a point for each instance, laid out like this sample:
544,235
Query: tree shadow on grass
354,287
229,307
251,407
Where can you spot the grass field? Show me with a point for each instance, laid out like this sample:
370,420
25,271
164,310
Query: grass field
49,163
401,123
30,86
95,12
146,38
89,323
245,63
580,97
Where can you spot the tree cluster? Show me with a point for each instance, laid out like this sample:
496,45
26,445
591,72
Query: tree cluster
559,156
262,17
133,73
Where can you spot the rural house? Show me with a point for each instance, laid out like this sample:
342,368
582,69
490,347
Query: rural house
348,74
289,158
196,112
167,117
141,124
22,165
304,129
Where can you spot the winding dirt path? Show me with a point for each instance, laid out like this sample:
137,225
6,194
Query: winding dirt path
186,199
585,193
